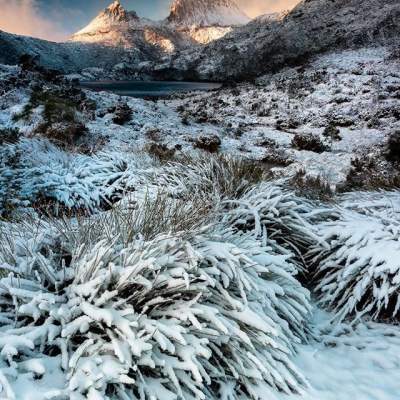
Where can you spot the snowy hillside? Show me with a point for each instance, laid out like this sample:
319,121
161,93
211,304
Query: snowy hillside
312,27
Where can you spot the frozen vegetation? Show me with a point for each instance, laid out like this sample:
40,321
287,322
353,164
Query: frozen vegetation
238,244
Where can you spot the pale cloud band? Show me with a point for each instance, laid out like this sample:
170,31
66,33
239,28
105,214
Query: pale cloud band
24,17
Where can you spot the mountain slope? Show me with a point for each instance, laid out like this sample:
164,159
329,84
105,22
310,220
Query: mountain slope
117,27
314,26
202,13
67,57
190,22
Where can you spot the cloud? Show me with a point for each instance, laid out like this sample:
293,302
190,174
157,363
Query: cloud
23,17
258,7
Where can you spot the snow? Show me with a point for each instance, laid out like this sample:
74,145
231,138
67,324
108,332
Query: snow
356,359
191,22
361,363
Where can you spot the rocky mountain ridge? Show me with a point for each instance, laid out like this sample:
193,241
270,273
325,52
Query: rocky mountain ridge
165,50
190,22
311,28
118,34
203,13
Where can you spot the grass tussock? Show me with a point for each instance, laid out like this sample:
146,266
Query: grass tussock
144,219
311,187
216,175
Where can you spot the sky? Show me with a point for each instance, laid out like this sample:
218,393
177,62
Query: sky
57,19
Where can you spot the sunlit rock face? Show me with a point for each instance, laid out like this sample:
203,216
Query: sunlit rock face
190,22
206,13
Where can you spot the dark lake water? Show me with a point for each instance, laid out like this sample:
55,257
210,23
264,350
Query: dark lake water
149,88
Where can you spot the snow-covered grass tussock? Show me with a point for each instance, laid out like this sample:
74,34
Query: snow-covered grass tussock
206,314
359,273
31,170
286,220
212,176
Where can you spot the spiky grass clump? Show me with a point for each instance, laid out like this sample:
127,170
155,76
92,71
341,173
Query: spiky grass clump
213,176
207,315
32,171
285,219
359,273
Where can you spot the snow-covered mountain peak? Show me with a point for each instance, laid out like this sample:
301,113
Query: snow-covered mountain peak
201,13
191,22
113,16
116,12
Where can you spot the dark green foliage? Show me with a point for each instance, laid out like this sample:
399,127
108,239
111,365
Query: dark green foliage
60,107
332,132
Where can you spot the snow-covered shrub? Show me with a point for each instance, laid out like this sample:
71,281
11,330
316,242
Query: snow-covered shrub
309,142
144,218
160,151
393,147
9,135
35,169
199,316
210,143
359,273
310,186
122,114
211,176
269,210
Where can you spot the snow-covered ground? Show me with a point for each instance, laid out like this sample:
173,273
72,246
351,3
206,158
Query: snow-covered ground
360,363
356,92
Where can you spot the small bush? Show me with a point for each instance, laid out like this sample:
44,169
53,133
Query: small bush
210,143
57,106
154,134
122,114
289,124
393,147
212,177
60,106
160,151
9,136
371,172
357,272
332,132
311,187
276,158
65,135
309,142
